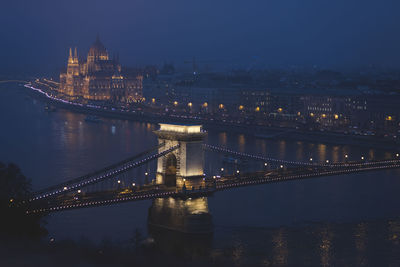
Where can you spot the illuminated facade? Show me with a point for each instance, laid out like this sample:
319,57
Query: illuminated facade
99,78
185,164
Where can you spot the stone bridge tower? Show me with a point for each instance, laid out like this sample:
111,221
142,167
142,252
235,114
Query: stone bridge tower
185,165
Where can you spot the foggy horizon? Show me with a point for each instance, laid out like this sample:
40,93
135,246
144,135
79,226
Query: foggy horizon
261,34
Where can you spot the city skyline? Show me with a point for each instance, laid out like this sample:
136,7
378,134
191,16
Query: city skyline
200,133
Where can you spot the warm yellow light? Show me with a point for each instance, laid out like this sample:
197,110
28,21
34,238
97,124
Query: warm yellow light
180,128
257,109
205,104
241,107
298,113
312,114
190,104
153,100
175,103
280,109
323,115
336,116
221,106
389,118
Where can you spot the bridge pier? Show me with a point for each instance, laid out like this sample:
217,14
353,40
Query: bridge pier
185,165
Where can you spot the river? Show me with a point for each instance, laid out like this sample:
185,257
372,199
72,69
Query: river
51,147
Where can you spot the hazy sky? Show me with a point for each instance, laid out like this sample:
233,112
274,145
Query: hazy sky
35,35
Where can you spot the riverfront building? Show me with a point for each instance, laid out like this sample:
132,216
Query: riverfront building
218,96
99,78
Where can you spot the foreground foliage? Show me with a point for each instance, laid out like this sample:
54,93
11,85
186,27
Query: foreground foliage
15,190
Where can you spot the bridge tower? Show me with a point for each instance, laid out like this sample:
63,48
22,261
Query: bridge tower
185,165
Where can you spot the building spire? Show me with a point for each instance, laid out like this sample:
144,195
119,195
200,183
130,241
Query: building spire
76,55
70,58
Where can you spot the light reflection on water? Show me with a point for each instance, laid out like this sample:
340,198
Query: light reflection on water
51,147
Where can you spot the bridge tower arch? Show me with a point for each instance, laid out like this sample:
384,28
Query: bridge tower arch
184,165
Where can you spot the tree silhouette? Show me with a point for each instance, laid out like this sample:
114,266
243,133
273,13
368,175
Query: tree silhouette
15,190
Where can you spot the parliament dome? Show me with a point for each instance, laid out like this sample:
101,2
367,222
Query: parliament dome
97,51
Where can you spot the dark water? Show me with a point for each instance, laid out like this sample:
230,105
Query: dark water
266,224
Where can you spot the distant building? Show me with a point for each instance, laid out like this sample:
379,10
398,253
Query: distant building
99,78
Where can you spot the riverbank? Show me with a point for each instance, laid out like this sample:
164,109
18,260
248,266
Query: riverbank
258,132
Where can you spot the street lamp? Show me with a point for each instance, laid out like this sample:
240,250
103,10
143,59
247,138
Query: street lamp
327,161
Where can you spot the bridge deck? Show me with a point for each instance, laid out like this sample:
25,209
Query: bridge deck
74,201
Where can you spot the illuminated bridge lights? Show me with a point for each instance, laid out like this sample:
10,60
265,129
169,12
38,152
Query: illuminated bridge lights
108,174
251,180
224,182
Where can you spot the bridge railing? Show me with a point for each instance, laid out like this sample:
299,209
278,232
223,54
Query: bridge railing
298,163
255,157
101,175
212,185
87,176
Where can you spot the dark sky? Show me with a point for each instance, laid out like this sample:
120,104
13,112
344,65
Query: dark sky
35,35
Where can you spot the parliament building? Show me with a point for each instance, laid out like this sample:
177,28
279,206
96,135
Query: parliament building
100,78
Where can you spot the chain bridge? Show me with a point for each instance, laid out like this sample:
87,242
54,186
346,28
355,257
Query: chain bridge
180,158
